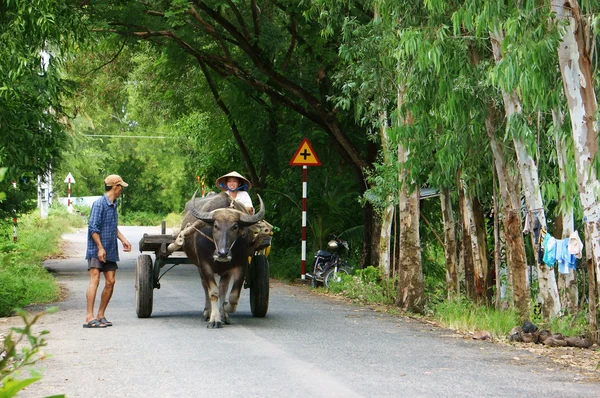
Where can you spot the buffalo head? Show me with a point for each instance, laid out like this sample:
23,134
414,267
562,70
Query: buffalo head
228,224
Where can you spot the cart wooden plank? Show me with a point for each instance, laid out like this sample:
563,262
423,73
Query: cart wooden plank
153,243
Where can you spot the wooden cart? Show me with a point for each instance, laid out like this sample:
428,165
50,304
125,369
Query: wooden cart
148,274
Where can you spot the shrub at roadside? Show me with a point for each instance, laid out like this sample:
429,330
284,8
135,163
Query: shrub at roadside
15,355
366,286
23,279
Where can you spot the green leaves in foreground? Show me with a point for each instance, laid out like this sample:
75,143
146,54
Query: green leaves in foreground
13,359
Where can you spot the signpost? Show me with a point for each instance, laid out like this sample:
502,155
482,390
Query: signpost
14,184
69,180
45,193
305,156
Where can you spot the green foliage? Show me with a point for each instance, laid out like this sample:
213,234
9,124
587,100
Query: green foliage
284,263
32,130
366,286
23,280
17,356
141,218
567,325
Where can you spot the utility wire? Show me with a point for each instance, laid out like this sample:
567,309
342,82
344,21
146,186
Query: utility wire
126,136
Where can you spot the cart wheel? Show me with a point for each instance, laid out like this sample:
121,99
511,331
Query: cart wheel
259,286
143,286
334,277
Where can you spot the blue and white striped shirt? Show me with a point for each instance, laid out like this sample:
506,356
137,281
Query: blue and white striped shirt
103,220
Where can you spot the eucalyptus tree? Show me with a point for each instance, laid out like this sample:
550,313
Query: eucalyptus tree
574,54
451,151
32,128
519,38
577,76
405,48
265,46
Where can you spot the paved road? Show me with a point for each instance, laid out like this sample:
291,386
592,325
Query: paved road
309,345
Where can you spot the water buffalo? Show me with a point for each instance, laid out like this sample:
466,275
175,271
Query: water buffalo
220,239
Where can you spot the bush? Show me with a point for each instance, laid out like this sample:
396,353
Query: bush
13,360
143,218
367,286
23,280
285,264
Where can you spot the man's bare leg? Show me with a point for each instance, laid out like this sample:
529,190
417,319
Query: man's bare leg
91,293
109,279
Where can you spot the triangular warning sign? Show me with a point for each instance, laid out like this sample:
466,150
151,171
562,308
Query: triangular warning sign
305,155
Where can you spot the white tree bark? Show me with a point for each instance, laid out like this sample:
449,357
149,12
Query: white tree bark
388,214
578,83
567,283
548,287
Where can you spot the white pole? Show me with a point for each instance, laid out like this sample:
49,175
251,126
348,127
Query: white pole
304,192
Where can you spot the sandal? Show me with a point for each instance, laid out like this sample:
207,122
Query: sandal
93,324
105,322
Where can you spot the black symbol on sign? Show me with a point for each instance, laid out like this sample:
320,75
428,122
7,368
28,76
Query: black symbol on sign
305,154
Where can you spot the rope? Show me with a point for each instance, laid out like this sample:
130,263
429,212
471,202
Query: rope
203,234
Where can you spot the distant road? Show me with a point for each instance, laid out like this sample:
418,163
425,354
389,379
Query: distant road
309,345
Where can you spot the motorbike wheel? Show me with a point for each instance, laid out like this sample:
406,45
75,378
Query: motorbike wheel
332,276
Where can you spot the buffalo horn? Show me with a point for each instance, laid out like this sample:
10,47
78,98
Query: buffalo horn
206,217
254,218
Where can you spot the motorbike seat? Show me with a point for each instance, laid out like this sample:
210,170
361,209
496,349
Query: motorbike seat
324,253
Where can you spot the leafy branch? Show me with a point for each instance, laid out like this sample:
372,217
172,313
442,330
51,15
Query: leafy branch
14,359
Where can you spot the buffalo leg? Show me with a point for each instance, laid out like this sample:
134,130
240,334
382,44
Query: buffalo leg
223,290
212,294
206,311
234,295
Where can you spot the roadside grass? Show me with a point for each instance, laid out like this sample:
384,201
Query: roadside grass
466,316
567,325
366,286
23,279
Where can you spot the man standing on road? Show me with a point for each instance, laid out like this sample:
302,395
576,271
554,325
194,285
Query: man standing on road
102,251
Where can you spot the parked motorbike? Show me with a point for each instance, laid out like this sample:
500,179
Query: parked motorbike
328,265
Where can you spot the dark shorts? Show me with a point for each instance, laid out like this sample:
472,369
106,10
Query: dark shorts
107,266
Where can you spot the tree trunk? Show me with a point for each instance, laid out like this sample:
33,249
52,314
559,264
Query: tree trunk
548,288
449,245
515,247
481,233
497,246
467,247
410,272
476,250
592,302
410,295
567,283
578,83
388,213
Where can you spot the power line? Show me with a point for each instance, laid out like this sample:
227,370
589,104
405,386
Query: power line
126,136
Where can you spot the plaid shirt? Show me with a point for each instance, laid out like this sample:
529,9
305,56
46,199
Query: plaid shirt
103,220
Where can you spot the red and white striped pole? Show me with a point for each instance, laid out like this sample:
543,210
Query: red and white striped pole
305,156
304,191
14,184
